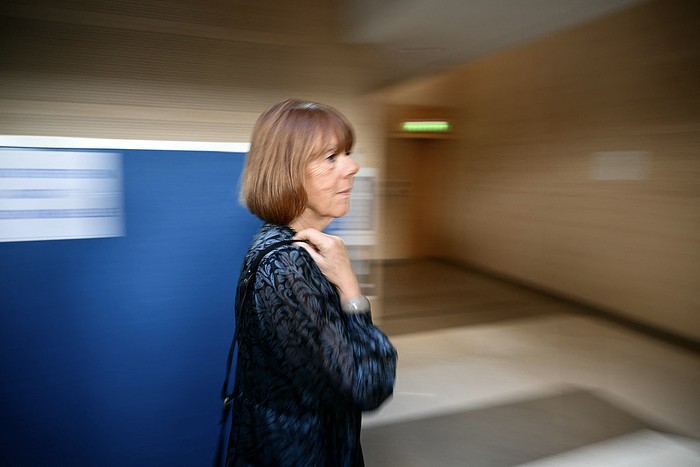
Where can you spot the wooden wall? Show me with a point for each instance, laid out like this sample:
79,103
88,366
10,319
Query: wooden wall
578,164
175,69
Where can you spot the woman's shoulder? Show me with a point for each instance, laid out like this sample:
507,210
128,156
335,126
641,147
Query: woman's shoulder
269,234
274,242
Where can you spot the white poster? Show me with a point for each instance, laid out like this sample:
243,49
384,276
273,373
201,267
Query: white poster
64,194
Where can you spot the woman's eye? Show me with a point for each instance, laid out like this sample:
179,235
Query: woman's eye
331,157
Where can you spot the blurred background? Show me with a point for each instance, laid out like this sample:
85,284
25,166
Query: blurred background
546,245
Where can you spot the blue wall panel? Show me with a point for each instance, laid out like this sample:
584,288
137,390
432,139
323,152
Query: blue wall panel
112,350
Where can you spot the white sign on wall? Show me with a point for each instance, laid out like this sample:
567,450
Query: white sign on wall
620,165
52,195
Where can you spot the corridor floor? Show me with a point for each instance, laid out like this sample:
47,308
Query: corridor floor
491,374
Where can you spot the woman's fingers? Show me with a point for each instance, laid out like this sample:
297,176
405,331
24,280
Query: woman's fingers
310,248
332,258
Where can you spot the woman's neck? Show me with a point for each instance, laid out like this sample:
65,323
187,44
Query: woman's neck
304,221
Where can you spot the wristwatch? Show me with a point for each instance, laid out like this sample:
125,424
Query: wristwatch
357,305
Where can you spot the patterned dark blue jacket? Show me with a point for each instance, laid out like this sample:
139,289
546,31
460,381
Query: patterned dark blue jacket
306,370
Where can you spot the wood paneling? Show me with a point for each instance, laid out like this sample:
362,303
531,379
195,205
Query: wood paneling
174,70
520,196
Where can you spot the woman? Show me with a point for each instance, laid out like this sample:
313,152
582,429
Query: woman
310,359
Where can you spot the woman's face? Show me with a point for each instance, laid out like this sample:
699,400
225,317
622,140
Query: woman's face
328,182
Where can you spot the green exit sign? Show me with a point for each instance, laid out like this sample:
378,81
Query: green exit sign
427,126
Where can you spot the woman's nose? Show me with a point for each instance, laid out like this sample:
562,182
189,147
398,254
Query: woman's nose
352,166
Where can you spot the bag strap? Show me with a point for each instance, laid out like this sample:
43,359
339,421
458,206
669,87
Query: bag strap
227,398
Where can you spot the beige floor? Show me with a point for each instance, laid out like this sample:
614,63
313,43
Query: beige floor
468,343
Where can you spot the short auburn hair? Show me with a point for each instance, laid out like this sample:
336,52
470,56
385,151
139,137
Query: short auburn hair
286,137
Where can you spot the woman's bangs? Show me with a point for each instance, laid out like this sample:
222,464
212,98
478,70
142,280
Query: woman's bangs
335,128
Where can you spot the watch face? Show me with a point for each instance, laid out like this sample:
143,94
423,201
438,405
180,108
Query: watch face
357,305
364,304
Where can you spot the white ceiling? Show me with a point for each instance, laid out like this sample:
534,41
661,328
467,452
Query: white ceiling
418,37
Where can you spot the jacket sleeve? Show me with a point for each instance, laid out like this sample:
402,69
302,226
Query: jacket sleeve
326,354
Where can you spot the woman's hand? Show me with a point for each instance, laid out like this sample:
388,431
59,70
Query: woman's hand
332,258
